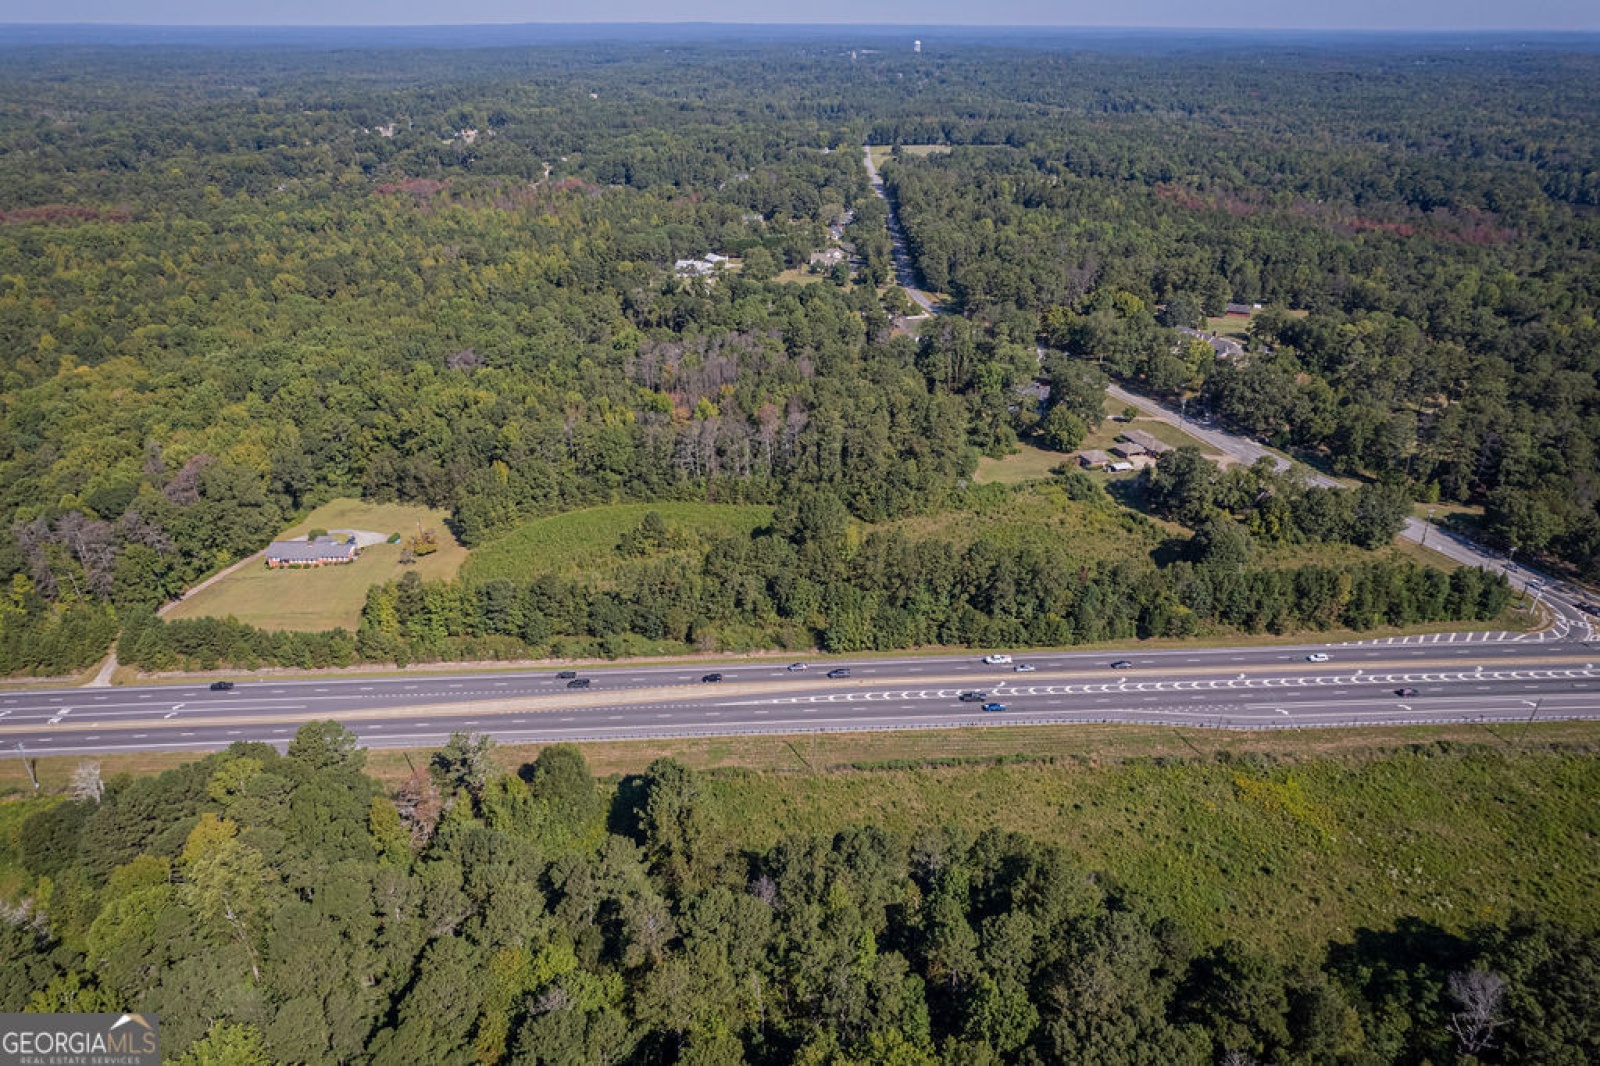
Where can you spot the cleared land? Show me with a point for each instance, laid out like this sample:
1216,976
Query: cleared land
1236,327
1042,516
1027,463
1296,852
328,596
585,542
884,153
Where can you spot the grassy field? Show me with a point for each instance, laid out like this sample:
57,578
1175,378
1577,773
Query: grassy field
1294,851
1236,327
798,276
332,595
585,542
1042,516
1286,838
1027,463
883,153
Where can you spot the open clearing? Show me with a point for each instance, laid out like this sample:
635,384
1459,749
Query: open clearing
329,596
585,542
883,153
1027,463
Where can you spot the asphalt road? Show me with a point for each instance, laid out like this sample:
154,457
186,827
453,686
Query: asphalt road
1456,679
905,273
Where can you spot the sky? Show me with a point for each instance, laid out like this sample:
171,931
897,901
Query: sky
1254,14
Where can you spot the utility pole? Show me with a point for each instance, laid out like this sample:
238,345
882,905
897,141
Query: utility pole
1427,526
26,765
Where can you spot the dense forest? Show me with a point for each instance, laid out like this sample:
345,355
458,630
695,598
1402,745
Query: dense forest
287,908
237,283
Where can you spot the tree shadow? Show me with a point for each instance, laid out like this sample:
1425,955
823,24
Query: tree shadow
1413,950
1172,550
622,819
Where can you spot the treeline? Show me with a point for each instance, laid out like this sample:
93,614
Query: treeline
287,908
798,585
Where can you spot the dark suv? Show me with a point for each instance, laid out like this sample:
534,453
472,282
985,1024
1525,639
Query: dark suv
566,675
578,682
221,686
711,679
973,697
841,672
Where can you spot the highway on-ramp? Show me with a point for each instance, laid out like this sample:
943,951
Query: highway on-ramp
1455,678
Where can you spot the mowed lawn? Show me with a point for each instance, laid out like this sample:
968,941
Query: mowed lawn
1027,463
329,596
585,542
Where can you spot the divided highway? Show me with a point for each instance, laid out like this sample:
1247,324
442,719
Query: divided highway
1273,687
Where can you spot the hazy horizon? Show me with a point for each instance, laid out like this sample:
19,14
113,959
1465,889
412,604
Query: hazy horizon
1533,16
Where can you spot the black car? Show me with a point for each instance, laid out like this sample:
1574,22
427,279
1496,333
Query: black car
841,672
973,697
578,682
1405,691
711,679
1122,664
221,686
566,675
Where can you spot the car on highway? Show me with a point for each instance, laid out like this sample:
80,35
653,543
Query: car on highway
566,675
997,660
1407,691
1317,657
578,682
995,707
221,686
795,668
711,679
1122,664
1024,668
840,672
973,697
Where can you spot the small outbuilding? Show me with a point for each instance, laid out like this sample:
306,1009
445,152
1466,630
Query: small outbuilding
1093,458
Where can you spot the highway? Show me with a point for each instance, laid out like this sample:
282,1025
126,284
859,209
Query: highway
1457,678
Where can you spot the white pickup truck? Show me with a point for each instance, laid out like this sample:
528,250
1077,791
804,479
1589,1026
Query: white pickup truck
997,660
